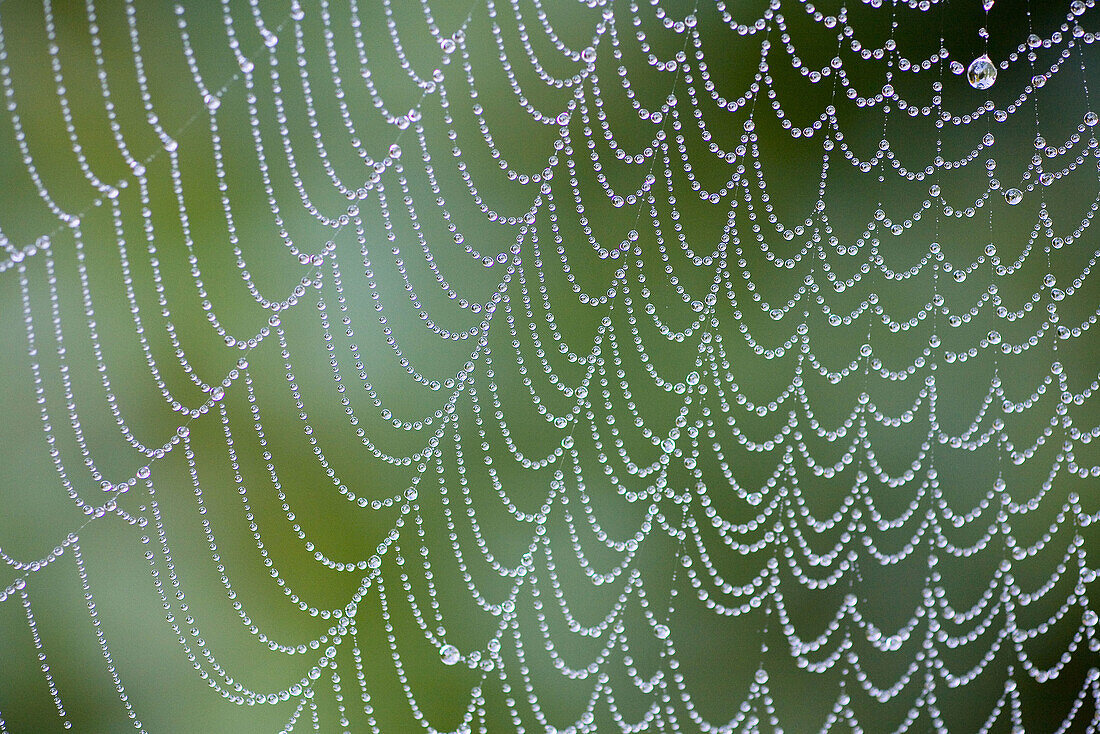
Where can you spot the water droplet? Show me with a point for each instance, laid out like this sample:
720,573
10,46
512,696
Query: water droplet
395,151
761,676
449,654
448,45
981,73
588,55
661,631
1014,196
217,394
1091,118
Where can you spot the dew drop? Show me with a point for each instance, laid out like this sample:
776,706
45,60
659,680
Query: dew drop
449,654
981,73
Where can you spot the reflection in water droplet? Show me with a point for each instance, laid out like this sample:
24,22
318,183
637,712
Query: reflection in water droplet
981,73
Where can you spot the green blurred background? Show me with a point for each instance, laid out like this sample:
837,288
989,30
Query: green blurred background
717,655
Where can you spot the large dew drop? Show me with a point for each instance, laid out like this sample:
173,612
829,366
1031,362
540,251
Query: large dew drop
981,73
449,654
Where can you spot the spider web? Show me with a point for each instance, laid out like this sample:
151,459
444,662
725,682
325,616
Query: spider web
548,366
